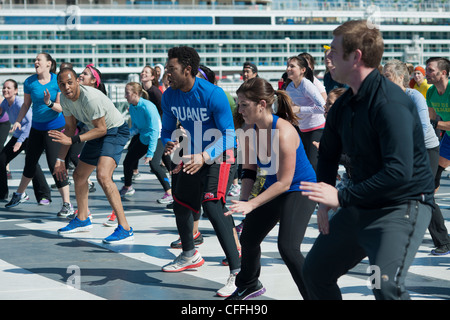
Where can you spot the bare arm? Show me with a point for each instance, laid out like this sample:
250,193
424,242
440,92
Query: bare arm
56,105
286,160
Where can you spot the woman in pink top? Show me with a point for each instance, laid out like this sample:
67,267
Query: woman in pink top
309,104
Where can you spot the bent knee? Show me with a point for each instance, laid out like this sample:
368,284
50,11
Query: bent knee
78,176
103,178
289,250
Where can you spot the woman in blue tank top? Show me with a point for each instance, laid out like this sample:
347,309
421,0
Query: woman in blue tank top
273,143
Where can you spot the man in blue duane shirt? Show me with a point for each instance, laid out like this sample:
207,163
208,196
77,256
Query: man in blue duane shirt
206,167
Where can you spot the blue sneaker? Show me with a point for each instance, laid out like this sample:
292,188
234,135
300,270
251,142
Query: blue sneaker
120,235
76,225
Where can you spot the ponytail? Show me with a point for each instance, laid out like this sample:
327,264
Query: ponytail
284,107
53,67
102,88
144,94
257,89
309,74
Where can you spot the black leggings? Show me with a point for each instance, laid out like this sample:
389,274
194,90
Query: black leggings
223,227
437,228
293,211
40,186
38,141
209,187
137,150
4,132
311,150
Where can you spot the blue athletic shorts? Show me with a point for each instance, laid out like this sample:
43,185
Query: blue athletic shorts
444,149
110,145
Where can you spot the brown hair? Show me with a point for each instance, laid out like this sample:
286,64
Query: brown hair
303,63
443,64
356,34
309,58
337,92
257,89
14,82
155,79
49,58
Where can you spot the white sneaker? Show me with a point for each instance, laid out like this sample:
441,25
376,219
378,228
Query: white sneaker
127,191
166,199
112,220
67,209
229,287
235,190
182,263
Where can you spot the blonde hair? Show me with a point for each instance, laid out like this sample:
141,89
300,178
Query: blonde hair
137,88
400,69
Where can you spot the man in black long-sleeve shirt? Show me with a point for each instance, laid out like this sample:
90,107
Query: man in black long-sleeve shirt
384,214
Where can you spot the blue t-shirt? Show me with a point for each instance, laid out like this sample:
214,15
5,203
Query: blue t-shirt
44,118
204,112
303,168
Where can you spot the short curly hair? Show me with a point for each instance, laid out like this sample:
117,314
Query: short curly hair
186,56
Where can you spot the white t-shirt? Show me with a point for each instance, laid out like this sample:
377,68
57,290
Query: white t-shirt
311,104
92,104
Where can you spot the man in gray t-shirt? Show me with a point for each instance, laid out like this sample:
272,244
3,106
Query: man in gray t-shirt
92,104
105,140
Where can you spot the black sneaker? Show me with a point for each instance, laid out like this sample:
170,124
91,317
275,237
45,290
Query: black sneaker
17,199
198,240
247,293
92,187
442,250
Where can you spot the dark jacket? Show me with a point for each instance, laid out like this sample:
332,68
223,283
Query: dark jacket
154,95
380,131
